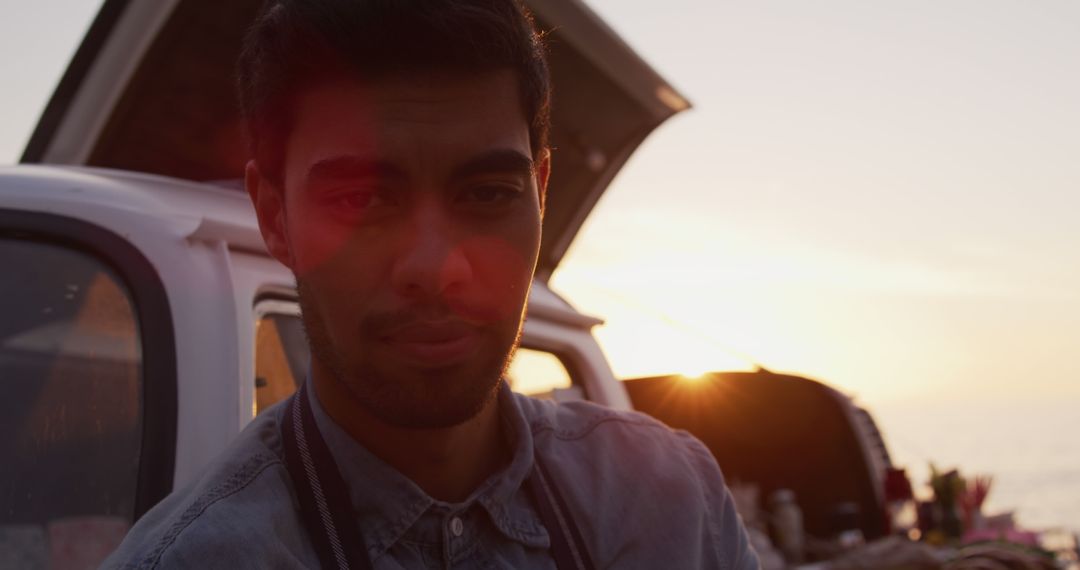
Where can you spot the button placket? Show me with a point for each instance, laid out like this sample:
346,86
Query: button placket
455,543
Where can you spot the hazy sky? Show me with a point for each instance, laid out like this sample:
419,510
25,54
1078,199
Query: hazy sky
880,194
36,41
885,195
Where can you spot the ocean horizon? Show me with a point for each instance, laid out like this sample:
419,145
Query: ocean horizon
1030,448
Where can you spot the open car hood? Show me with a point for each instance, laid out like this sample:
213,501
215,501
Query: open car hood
151,90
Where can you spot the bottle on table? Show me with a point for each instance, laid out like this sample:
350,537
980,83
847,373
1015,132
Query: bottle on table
787,519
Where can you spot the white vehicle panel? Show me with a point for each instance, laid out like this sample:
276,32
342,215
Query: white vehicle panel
205,245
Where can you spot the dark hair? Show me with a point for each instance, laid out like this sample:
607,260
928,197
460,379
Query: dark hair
294,43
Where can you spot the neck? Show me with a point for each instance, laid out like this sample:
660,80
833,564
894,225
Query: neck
447,463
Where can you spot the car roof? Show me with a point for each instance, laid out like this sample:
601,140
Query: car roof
151,90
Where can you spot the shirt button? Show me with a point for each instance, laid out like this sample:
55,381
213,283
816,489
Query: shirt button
456,526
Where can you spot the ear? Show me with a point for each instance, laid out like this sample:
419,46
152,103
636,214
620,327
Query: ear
269,202
543,172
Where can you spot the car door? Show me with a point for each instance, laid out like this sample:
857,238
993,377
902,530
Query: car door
87,371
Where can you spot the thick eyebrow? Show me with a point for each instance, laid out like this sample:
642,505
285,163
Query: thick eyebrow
350,167
500,161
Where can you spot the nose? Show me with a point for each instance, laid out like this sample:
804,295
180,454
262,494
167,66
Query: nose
430,262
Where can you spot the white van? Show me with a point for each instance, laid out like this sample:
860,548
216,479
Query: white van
143,323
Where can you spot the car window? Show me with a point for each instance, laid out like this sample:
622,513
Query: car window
71,412
281,352
538,373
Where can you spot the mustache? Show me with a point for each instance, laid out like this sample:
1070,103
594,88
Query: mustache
385,323
379,323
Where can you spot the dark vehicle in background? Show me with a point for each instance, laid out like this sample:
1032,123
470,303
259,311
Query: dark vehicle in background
778,431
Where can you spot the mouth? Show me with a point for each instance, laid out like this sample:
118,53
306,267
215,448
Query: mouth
432,344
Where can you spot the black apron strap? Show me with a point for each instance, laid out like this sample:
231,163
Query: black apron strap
327,510
324,499
567,546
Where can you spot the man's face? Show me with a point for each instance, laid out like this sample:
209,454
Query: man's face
411,219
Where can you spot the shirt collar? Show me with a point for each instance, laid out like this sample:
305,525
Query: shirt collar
388,503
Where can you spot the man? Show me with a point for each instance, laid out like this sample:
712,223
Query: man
399,167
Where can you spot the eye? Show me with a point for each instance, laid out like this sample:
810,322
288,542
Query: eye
356,200
491,194
360,200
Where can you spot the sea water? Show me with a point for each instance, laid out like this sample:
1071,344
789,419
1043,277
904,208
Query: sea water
1031,448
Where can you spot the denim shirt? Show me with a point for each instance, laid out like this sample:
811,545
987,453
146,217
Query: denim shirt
643,496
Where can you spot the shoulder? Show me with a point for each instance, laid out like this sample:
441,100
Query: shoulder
573,420
622,434
619,450
641,489
244,495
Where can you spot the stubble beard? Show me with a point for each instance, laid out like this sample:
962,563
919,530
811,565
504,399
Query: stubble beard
406,398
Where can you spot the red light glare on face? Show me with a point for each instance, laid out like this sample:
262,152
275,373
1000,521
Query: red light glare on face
501,274
413,229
